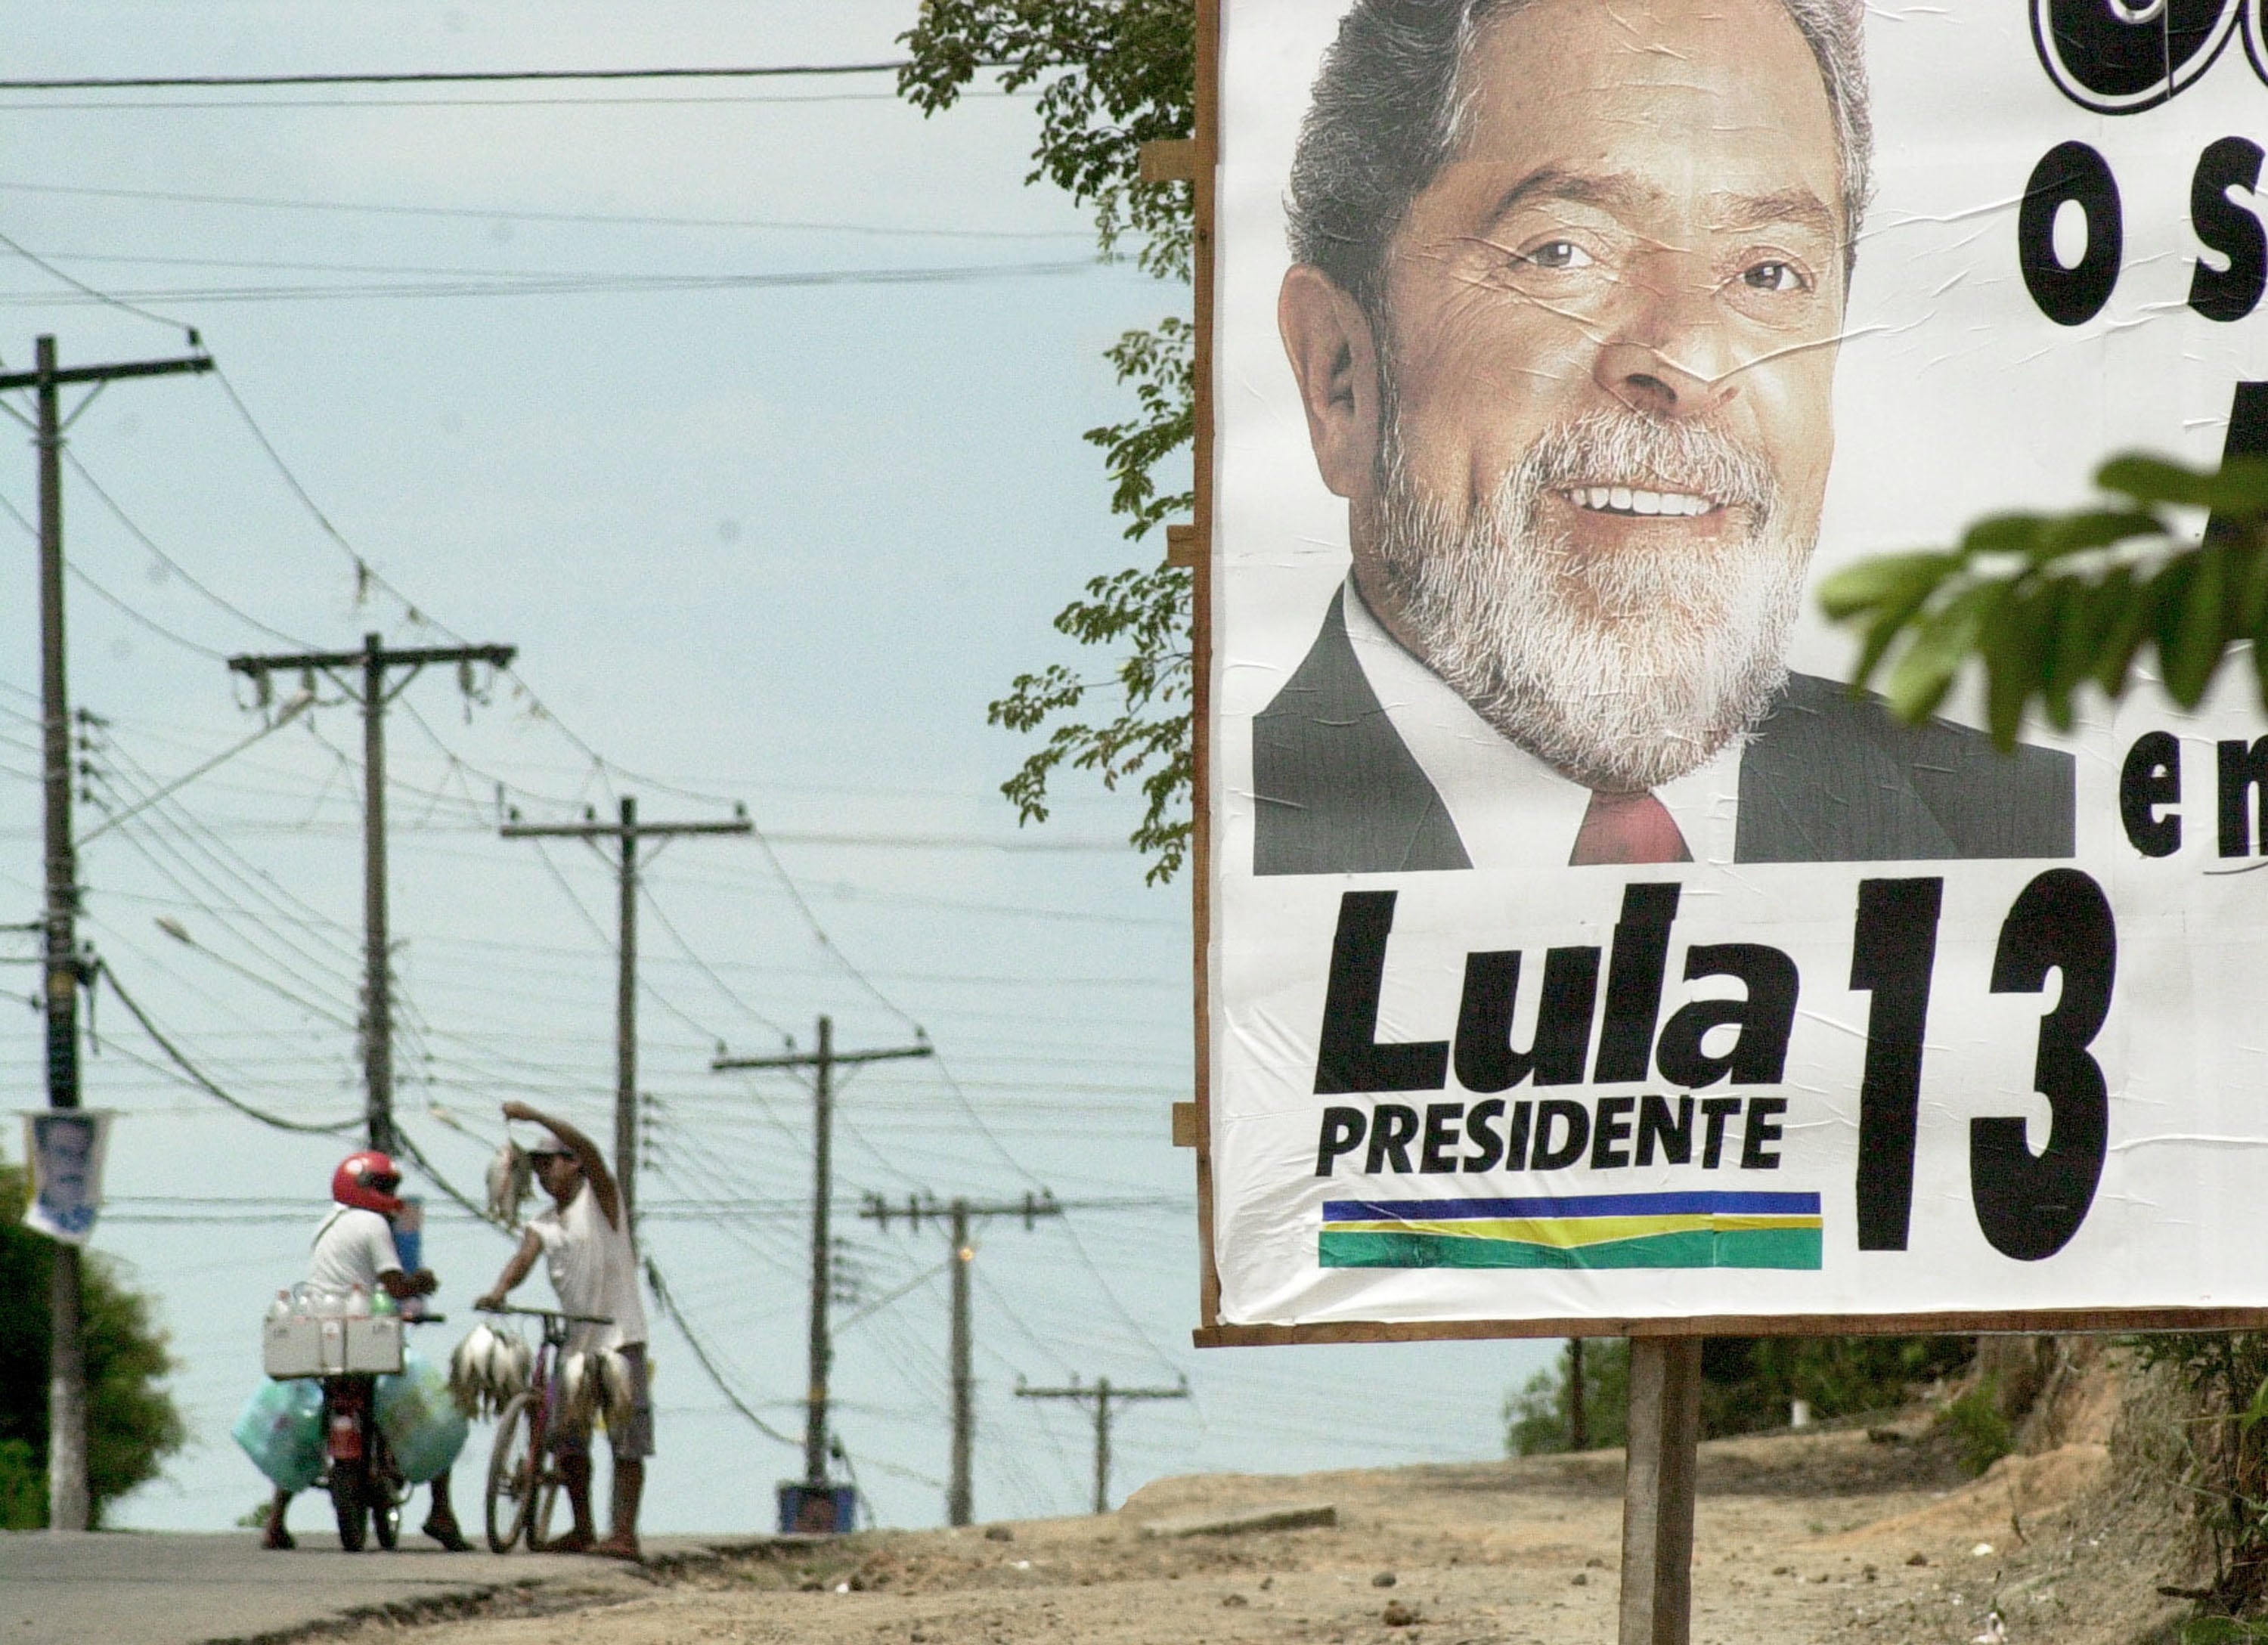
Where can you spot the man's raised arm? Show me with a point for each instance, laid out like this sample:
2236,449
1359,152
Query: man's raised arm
586,1155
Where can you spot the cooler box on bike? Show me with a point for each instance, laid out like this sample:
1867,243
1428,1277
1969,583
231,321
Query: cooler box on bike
327,1345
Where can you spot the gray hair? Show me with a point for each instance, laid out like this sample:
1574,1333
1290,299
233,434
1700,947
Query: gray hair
1390,107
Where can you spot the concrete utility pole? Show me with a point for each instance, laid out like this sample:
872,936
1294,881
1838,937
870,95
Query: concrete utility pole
372,662
629,831
960,1495
823,1063
70,1505
1102,1393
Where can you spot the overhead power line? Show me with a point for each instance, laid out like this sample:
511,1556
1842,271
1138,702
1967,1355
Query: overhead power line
543,285
660,1289
482,214
479,77
197,1075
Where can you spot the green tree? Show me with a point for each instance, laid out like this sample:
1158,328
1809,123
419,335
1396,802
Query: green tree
1112,75
1537,1421
132,1424
1747,1384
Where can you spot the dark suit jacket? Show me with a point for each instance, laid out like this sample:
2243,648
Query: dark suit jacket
1828,778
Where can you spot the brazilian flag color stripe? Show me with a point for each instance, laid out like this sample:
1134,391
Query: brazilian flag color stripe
1725,1248
1703,1229
1703,1202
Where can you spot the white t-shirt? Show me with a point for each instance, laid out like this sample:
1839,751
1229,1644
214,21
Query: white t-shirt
594,1271
352,1248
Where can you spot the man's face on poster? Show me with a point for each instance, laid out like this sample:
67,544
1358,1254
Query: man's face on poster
1584,425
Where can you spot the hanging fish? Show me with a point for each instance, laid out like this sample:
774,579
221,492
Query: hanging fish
512,1175
575,1392
509,1370
616,1389
468,1371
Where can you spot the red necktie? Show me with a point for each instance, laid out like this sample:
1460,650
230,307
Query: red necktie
1628,828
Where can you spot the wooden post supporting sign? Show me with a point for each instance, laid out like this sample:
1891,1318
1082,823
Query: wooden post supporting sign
1665,1432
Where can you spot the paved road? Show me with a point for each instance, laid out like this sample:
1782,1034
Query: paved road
129,1587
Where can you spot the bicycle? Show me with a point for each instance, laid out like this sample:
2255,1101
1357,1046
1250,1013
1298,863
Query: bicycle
523,1478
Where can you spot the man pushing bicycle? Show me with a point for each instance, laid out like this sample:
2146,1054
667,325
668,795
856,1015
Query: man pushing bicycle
585,1240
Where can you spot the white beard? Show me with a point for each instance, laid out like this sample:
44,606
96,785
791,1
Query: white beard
1622,671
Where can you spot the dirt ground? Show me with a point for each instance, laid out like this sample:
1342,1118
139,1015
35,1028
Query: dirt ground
1822,1537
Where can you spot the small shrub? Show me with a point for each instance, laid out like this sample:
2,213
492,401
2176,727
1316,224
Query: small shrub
1977,1424
2223,1631
2225,1435
23,1486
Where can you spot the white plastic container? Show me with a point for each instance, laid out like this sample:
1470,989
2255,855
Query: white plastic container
291,1344
374,1343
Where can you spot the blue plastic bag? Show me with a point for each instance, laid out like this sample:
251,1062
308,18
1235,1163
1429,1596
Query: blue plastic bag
420,1418
282,1431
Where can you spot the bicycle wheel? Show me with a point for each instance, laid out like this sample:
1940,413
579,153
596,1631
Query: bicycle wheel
350,1500
513,1465
548,1481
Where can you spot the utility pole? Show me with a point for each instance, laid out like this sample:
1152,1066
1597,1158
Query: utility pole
960,1495
69,1507
1102,1393
629,832
823,1063
373,662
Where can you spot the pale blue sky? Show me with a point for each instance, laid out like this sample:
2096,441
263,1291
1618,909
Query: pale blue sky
772,544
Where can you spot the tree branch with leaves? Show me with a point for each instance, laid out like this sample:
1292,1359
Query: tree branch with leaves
1111,75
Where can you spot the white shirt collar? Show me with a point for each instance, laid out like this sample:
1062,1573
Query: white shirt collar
1511,809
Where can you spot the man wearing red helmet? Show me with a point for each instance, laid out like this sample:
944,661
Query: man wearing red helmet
354,1248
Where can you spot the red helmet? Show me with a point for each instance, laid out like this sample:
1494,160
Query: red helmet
367,1181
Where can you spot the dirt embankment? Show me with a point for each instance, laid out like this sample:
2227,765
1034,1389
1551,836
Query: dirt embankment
1821,1538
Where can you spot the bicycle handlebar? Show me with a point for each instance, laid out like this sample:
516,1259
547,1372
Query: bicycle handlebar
551,1313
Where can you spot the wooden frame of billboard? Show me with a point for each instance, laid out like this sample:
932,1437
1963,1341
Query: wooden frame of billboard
1197,162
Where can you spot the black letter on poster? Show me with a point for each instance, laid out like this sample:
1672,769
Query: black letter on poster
2031,1205
2072,296
1558,1156
2150,782
2229,229
1486,1058
2243,795
1342,1133
1675,1135
1634,983
1762,1022
1893,947
1481,1131
1351,1058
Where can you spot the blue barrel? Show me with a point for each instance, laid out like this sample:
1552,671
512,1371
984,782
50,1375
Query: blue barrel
817,1510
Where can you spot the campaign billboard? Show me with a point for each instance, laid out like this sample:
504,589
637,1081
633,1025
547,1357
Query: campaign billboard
1580,949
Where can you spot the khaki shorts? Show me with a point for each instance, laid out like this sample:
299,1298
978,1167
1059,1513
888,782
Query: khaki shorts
634,1440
